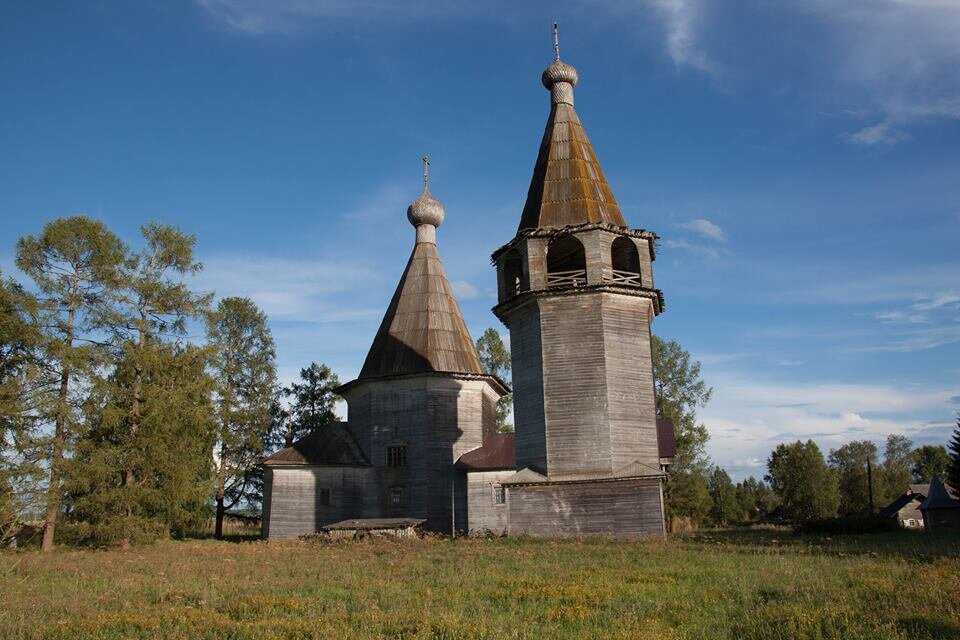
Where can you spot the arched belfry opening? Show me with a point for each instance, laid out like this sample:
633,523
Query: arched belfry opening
625,261
515,278
566,262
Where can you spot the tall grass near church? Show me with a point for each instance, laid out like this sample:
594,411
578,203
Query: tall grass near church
748,584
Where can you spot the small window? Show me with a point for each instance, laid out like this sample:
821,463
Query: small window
324,497
396,496
397,456
499,494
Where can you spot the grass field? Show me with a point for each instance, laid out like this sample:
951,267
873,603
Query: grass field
728,584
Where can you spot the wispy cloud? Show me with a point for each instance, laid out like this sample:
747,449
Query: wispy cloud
260,17
748,417
706,251
705,228
464,290
681,19
287,289
879,134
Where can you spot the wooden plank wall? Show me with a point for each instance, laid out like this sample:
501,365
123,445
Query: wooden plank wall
575,384
628,508
484,515
294,507
631,406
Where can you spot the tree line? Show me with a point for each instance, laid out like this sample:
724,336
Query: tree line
130,405
800,484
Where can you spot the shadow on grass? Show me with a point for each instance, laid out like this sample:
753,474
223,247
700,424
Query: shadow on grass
920,546
227,537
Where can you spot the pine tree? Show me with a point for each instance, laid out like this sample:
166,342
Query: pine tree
150,314
953,471
495,358
313,402
245,377
75,263
168,457
19,338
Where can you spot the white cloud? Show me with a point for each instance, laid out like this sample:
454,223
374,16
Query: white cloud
681,22
260,17
747,418
697,249
463,290
705,228
287,288
878,134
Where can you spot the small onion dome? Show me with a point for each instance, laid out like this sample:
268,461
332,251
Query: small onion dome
559,72
425,210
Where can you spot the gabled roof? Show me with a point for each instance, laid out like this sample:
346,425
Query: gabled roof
497,453
941,496
423,330
568,185
330,445
894,507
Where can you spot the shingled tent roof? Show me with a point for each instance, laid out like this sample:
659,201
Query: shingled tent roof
423,330
332,444
568,185
940,496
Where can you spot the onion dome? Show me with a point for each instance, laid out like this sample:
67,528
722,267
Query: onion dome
559,71
425,210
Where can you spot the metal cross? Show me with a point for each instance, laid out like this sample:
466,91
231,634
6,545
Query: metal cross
426,171
556,43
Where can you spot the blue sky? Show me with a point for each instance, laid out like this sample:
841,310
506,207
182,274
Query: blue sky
799,160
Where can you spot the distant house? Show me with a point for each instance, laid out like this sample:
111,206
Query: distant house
906,508
941,509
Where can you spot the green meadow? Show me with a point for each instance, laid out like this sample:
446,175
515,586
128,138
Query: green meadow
725,584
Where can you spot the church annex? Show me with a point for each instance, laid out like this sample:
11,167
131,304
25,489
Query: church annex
575,289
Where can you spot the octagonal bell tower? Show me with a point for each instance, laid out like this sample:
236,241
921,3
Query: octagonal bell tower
576,290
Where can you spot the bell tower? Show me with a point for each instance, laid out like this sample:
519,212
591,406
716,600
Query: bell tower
576,290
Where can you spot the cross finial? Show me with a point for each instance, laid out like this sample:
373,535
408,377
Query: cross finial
426,171
556,43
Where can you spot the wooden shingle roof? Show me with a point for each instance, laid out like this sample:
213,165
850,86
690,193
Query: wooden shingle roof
568,185
423,330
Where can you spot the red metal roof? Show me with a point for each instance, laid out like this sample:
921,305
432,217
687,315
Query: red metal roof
497,453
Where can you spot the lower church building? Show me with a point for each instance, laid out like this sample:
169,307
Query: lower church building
575,289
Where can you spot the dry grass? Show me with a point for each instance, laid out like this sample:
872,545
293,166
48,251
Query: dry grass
738,584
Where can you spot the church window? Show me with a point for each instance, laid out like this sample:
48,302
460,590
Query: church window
324,497
397,455
566,263
396,496
625,261
499,494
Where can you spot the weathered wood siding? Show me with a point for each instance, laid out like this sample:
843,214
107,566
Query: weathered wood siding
292,501
575,385
528,393
438,419
629,508
484,515
631,406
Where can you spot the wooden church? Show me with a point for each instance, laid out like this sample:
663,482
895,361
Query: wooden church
575,289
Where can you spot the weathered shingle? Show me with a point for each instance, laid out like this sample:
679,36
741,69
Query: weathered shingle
423,330
568,185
